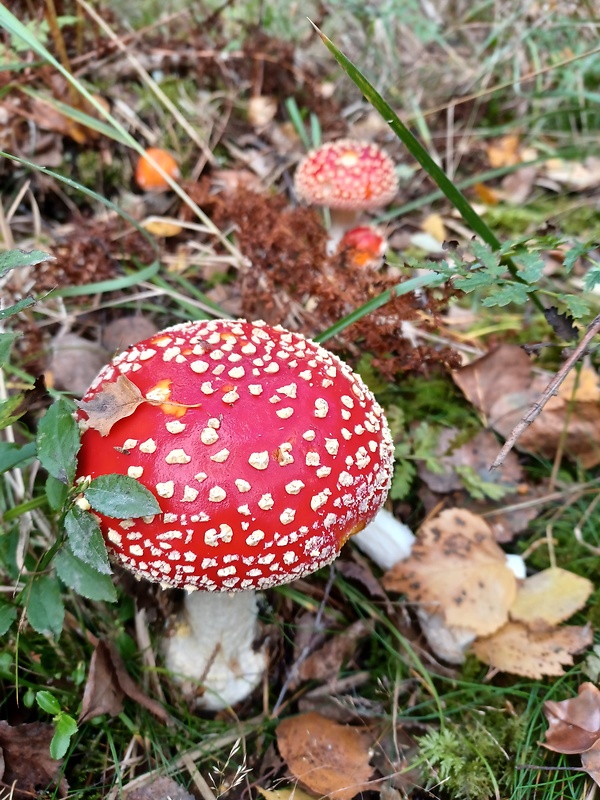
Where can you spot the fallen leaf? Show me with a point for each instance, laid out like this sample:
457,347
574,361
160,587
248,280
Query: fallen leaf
75,363
549,598
486,194
285,793
517,187
504,370
573,724
159,226
114,402
478,453
328,758
159,789
325,663
457,569
25,751
590,761
575,175
516,649
504,152
433,224
108,682
122,332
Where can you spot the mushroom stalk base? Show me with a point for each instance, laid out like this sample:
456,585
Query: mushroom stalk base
211,649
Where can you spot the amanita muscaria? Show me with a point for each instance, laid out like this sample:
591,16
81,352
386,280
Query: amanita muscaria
348,176
264,451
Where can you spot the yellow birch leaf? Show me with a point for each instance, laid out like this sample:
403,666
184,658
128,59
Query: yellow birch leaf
550,597
433,224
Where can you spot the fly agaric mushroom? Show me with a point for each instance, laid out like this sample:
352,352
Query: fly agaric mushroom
347,176
264,451
363,247
148,178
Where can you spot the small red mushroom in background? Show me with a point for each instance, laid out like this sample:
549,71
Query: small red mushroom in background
349,177
363,247
265,453
148,178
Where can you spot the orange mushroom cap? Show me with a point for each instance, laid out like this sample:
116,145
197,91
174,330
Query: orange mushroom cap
147,176
347,174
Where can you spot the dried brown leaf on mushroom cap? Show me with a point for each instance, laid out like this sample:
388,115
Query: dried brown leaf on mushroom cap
457,569
516,649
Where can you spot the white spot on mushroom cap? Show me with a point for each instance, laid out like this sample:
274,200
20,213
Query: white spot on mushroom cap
149,446
165,489
178,456
175,426
259,460
129,444
221,456
217,494
208,436
242,485
135,472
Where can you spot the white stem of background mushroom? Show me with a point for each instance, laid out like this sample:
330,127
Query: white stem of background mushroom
342,220
385,540
211,646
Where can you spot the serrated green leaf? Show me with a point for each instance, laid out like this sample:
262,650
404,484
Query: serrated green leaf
475,281
531,266
82,578
8,615
592,278
56,492
404,473
484,254
85,539
509,293
58,441
6,341
576,305
121,496
13,259
66,727
45,608
574,253
47,702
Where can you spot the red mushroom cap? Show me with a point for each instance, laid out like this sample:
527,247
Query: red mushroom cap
363,246
146,175
347,174
264,450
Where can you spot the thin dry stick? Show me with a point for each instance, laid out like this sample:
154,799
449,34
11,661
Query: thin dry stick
549,392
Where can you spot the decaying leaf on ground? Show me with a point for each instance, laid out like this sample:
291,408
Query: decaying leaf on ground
327,758
108,683
456,569
549,598
26,767
533,654
503,386
573,724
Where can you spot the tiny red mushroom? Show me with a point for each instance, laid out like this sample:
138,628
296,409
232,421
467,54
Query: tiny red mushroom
264,450
363,247
265,453
348,176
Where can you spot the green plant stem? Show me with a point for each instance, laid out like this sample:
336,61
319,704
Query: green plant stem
456,197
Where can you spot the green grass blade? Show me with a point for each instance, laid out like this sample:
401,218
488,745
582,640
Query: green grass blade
433,279
420,154
112,285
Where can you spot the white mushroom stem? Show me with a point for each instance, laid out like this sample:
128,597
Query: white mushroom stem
211,648
342,220
385,540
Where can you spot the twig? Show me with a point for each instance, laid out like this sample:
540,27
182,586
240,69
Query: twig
549,392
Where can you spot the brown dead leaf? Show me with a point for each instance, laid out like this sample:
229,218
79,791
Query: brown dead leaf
503,387
478,453
590,761
328,758
504,152
124,331
114,402
159,789
457,569
516,649
573,724
108,682
549,598
575,175
326,662
504,370
25,750
75,363
517,187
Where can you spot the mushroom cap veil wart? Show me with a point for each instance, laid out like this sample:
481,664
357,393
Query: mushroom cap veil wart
264,450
